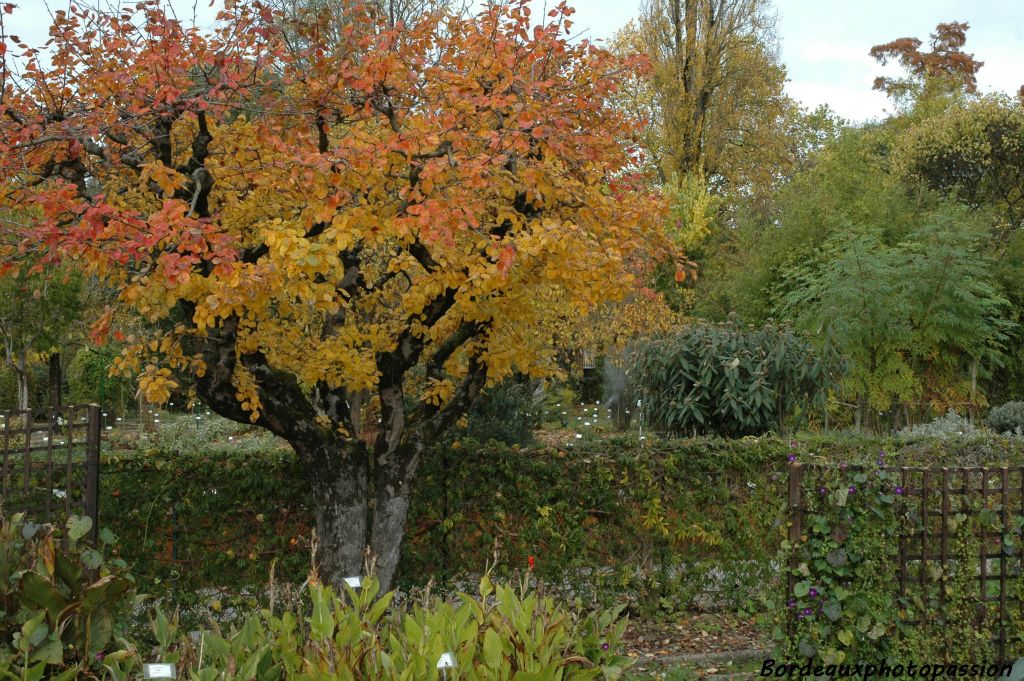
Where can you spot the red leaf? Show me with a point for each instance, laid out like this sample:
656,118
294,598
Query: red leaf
505,258
9,8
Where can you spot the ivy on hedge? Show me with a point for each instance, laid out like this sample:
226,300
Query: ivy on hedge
656,524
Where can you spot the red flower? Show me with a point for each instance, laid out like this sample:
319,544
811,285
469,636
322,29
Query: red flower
530,561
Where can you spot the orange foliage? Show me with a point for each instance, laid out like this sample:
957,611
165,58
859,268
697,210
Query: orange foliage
946,60
329,212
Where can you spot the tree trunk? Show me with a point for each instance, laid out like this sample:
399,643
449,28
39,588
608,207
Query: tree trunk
337,474
21,369
394,475
56,381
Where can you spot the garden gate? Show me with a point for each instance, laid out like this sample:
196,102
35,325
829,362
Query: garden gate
935,502
51,463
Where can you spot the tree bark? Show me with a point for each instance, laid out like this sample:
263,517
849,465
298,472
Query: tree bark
21,369
337,474
393,481
56,381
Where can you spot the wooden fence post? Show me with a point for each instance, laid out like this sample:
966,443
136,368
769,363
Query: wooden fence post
92,469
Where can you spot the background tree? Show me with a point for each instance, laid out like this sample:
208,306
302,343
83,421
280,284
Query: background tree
723,137
974,152
916,321
715,76
945,63
37,310
309,222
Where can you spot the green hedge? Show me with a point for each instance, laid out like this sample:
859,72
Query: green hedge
661,524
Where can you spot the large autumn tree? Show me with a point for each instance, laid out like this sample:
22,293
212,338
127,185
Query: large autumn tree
336,240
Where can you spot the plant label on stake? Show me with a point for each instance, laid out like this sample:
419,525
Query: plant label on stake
354,582
444,663
159,670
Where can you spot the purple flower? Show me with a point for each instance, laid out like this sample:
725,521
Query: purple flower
842,466
813,593
604,646
853,488
100,656
799,615
808,612
899,490
822,490
791,458
791,603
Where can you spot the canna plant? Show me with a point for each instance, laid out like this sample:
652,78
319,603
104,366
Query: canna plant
504,633
59,600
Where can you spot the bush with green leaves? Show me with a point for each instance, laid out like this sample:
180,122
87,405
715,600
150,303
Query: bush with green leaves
64,610
199,526
61,599
729,379
507,413
501,634
949,426
1007,418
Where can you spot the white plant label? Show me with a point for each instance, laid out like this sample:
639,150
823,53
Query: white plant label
161,670
354,582
447,661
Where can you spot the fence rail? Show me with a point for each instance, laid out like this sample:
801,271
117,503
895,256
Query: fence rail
50,463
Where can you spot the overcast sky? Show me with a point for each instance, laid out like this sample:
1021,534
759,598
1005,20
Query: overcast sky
824,42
